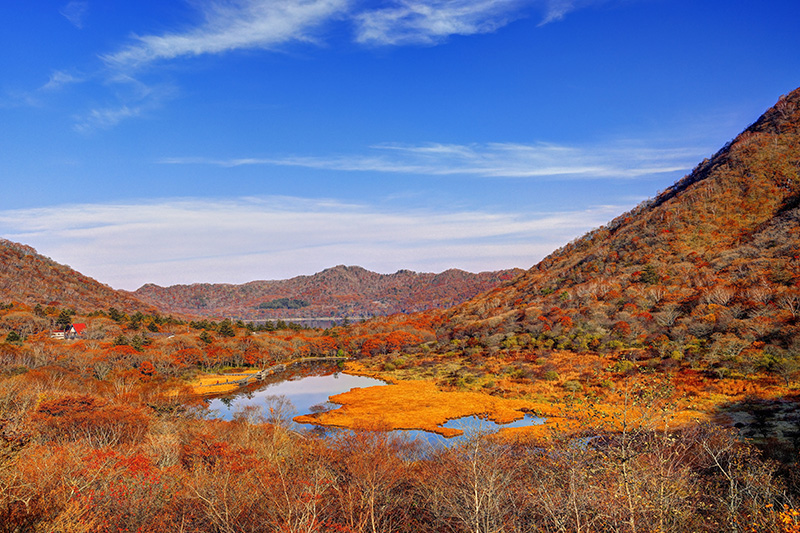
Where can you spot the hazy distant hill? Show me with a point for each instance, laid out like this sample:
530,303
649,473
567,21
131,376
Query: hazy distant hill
709,268
341,291
30,278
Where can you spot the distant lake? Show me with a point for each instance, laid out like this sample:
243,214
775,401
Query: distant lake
298,395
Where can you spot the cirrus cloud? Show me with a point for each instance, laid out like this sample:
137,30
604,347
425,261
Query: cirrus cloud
621,159
266,24
75,12
245,24
233,25
430,21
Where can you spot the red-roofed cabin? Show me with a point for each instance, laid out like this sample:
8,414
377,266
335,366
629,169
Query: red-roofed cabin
73,332
77,330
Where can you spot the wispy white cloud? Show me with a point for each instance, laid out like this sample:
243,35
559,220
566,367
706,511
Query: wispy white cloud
233,25
239,240
38,97
555,10
59,79
431,21
104,118
134,99
75,12
622,159
229,25
266,24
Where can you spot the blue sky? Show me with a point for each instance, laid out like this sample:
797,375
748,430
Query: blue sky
227,141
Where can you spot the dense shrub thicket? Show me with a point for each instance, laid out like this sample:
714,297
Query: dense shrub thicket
98,456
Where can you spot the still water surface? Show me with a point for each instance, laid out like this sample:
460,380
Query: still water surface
312,393
303,392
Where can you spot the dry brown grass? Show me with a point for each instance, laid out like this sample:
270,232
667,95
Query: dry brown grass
607,397
415,405
219,383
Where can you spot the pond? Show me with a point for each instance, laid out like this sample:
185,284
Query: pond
306,394
298,395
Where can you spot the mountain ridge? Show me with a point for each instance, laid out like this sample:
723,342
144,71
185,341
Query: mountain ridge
709,268
31,278
339,291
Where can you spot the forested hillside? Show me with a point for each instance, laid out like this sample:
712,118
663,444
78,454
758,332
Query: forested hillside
707,271
30,278
341,291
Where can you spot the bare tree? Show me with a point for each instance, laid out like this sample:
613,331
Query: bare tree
470,487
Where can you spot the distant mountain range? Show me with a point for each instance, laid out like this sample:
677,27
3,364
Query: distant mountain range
341,291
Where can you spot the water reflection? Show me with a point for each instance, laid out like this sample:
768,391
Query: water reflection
306,394
279,402
470,425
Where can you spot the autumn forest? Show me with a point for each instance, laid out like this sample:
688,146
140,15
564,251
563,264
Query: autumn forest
662,351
